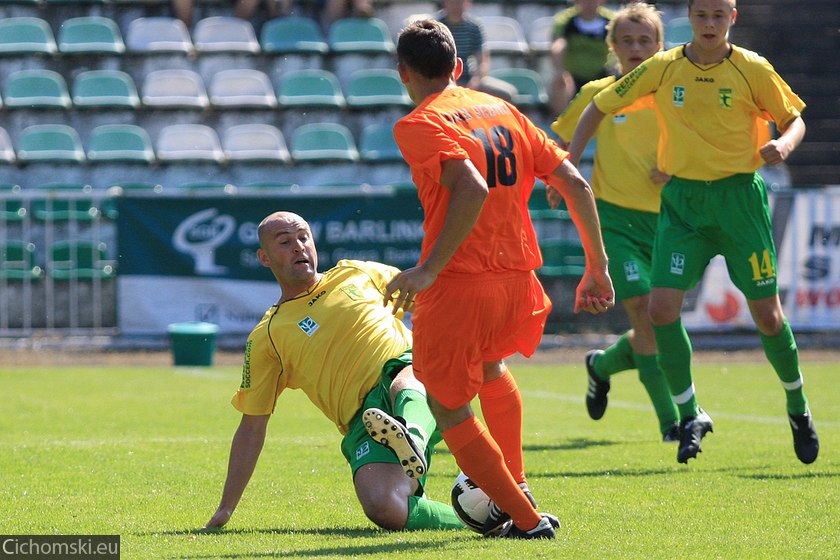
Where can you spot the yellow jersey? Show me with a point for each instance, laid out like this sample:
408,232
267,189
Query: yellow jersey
330,342
712,118
626,152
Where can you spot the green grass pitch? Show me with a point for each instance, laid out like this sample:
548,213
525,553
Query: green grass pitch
142,452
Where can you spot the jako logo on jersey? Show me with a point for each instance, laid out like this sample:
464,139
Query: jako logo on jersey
725,96
679,96
620,119
308,326
353,292
363,450
677,263
317,297
631,271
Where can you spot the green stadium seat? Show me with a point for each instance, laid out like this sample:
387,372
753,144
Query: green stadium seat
376,87
318,142
540,210
104,89
677,32
310,88
37,88
120,143
377,144
562,258
56,206
158,35
293,35
255,142
17,261
7,150
26,36
90,35
54,143
242,88
360,35
225,34
530,86
12,209
80,260
207,187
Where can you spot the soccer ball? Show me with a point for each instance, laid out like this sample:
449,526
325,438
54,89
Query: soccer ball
470,503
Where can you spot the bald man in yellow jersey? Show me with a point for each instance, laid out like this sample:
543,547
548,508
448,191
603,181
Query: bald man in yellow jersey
330,336
713,100
628,206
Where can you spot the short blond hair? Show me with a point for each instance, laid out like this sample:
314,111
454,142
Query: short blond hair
638,12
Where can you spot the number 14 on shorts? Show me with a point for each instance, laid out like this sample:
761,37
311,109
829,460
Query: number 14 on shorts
763,269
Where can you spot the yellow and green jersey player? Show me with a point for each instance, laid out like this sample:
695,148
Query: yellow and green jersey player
627,186
713,100
331,337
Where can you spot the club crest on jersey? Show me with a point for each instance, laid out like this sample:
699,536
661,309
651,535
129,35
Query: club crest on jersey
620,119
308,326
679,96
353,292
677,263
725,96
631,271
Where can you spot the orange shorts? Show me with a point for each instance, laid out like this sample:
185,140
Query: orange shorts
464,320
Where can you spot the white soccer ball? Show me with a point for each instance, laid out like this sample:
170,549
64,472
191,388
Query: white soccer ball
470,503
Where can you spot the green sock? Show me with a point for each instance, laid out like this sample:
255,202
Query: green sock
411,406
426,514
618,357
674,361
783,355
658,390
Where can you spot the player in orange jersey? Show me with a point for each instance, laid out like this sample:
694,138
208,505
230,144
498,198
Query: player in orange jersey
474,159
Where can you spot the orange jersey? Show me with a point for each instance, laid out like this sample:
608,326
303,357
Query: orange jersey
507,149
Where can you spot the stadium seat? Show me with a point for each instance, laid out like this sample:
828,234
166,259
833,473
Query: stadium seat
55,143
90,35
120,143
178,88
376,87
255,142
80,260
323,142
17,261
529,85
207,187
158,35
189,142
540,33
7,150
377,144
677,32
26,36
223,34
293,35
242,88
57,206
562,258
95,89
311,88
360,35
504,35
37,88
12,209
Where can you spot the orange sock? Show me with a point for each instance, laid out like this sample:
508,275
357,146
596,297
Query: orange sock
501,405
480,458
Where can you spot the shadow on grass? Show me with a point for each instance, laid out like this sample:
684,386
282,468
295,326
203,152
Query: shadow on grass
317,531
330,552
568,445
600,473
797,476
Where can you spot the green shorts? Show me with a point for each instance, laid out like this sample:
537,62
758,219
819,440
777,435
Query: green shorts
628,238
357,446
702,219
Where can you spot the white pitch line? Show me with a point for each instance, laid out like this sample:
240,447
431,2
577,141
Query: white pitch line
578,399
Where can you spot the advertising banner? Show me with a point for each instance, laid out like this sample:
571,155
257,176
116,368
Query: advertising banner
194,258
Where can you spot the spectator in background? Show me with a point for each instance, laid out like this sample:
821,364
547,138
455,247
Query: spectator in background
470,45
332,10
579,51
245,9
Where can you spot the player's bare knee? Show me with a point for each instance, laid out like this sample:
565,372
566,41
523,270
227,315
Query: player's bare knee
390,513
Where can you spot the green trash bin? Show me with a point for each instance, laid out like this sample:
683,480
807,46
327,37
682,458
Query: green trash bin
193,343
